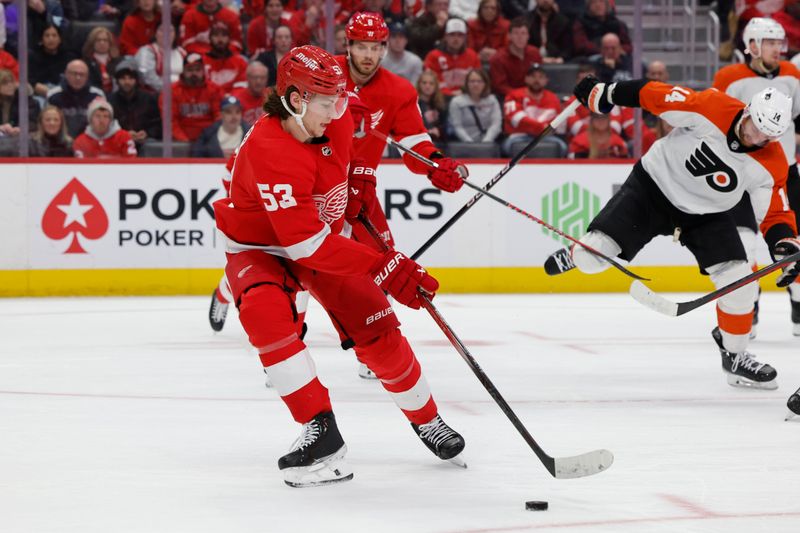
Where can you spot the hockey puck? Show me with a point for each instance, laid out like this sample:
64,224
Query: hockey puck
536,506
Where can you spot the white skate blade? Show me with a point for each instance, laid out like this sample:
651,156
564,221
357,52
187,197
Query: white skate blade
458,461
648,298
583,465
790,416
365,373
326,471
744,383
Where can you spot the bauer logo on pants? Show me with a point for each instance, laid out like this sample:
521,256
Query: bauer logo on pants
73,211
569,208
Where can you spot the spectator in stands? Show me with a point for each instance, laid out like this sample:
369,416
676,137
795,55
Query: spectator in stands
398,59
103,138
197,21
311,28
8,62
385,9
224,67
464,9
195,101
48,61
425,30
51,138
551,32
139,27
432,105
222,137
475,114
599,141
41,14
136,110
488,32
529,109
150,59
509,66
101,54
283,41
613,64
598,20
452,59
340,40
9,108
261,31
789,18
73,96
657,71
253,97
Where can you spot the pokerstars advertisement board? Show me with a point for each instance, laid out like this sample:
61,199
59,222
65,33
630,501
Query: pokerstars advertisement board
159,215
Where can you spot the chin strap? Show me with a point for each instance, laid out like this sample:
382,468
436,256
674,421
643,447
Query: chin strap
298,117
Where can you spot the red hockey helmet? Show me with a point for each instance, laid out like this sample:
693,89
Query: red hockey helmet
367,27
313,71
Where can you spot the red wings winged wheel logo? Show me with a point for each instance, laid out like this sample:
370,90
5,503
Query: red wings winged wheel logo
74,210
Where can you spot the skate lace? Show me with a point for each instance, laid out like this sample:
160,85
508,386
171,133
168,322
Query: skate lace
310,433
435,431
746,361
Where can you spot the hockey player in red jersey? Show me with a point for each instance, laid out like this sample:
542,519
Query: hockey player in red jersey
766,40
283,221
686,185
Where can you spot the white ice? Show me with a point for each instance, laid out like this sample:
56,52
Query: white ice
129,415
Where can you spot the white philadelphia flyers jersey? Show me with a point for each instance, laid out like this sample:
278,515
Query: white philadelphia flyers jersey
742,82
701,167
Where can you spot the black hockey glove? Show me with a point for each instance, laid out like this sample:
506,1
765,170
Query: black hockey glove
783,248
594,94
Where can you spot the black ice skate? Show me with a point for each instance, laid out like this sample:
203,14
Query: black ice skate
217,312
559,262
743,370
441,439
795,318
794,405
317,456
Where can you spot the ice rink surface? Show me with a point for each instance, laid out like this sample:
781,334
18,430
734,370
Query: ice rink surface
129,415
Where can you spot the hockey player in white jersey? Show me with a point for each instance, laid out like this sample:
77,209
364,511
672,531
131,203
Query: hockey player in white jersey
685,186
766,41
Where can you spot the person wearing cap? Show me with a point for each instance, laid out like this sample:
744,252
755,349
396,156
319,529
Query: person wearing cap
399,60
253,97
223,66
529,109
488,32
139,26
195,101
103,138
73,96
196,25
452,60
427,29
222,137
135,110
509,66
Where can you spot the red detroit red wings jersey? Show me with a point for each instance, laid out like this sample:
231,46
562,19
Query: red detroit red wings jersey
526,114
288,198
392,102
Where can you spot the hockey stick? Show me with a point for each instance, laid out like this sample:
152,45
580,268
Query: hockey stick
484,192
576,466
642,294
555,123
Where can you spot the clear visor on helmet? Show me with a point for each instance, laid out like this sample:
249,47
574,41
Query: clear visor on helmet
331,106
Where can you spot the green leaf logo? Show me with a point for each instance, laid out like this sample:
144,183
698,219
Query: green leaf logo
569,208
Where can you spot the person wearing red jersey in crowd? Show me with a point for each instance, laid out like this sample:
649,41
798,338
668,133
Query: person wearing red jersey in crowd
452,60
387,103
597,141
766,41
488,32
223,66
261,30
282,222
139,27
509,66
253,97
195,101
686,185
197,21
528,110
103,138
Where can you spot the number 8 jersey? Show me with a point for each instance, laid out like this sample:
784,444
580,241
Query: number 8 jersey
288,198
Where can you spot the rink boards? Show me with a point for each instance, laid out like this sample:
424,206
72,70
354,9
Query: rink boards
147,228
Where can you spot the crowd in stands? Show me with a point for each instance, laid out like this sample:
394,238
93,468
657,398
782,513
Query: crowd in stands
482,69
